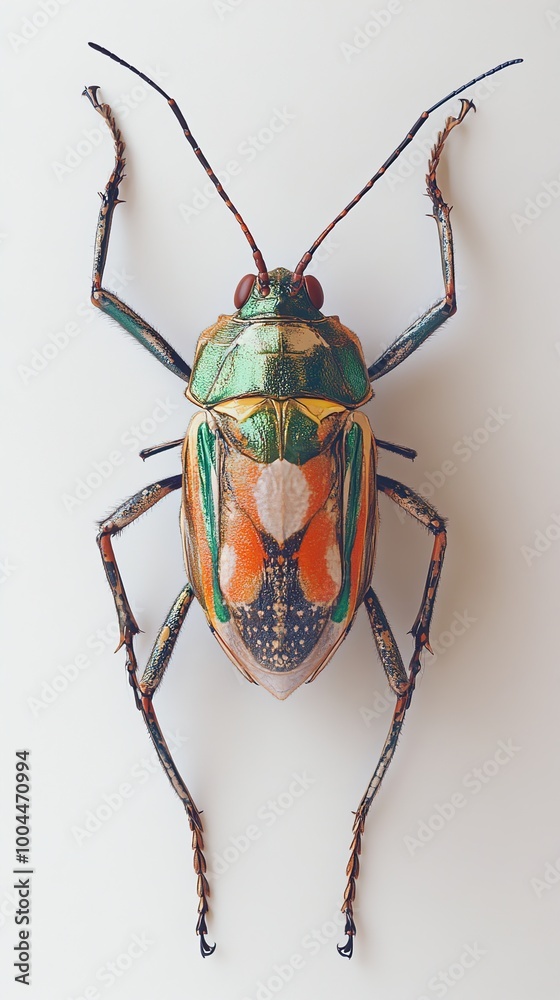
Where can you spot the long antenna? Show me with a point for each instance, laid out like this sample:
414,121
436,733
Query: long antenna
263,277
391,159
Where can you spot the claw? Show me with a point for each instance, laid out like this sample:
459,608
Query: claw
201,929
91,94
206,949
347,949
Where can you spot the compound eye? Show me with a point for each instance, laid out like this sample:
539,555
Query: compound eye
314,290
243,290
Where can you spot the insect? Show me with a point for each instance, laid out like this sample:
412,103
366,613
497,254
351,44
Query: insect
279,481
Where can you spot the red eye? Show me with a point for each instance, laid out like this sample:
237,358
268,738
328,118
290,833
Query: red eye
243,290
314,290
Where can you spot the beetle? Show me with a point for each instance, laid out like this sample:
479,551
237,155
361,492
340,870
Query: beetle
279,482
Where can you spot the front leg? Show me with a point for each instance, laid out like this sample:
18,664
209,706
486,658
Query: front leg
104,300
422,328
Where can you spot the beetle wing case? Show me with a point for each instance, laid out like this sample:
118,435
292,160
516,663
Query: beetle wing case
279,525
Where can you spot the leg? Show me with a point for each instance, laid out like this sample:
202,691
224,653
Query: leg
402,685
156,449
418,508
420,330
386,645
353,867
157,664
145,690
103,299
112,525
398,449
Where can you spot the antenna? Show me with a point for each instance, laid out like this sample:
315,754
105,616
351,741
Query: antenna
263,278
391,159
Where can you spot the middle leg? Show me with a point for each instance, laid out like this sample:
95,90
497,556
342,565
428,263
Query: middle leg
422,511
124,515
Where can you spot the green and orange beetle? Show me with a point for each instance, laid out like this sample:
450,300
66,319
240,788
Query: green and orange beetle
279,484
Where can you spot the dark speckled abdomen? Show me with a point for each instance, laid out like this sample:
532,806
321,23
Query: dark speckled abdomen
280,552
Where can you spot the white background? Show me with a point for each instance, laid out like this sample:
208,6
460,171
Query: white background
352,88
